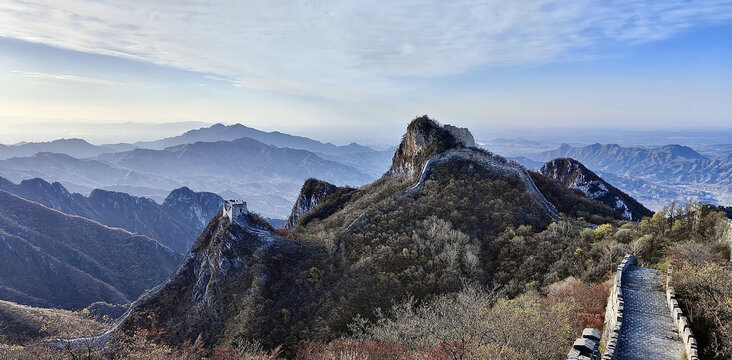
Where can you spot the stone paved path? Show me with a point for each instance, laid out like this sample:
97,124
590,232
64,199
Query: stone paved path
648,332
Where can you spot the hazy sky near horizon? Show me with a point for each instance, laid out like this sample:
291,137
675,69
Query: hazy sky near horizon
353,69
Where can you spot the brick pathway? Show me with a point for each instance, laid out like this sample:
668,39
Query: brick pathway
648,332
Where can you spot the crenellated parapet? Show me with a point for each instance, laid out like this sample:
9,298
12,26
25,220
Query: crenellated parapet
681,322
586,347
615,309
235,209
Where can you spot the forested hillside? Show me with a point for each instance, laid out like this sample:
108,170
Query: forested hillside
51,259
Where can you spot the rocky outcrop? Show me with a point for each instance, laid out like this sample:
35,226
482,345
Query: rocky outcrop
313,191
195,208
424,138
463,135
573,175
229,268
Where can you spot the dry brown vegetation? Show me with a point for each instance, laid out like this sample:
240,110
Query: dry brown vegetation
20,324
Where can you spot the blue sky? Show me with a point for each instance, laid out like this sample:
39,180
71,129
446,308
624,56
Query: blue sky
348,70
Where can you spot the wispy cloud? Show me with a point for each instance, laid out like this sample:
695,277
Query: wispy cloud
64,77
332,48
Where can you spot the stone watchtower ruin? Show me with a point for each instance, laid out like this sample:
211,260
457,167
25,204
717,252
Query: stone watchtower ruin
235,209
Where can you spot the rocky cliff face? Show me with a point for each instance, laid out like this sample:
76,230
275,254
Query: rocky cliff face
224,281
573,175
313,191
426,137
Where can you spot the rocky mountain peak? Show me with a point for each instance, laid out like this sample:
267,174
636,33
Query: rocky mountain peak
568,170
180,194
195,208
574,175
424,138
680,151
43,186
313,191
227,266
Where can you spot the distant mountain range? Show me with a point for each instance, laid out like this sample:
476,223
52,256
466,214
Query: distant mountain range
176,223
268,176
77,148
241,159
79,175
51,259
655,176
268,168
363,158
670,163
220,132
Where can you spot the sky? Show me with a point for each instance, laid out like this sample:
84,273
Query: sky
357,70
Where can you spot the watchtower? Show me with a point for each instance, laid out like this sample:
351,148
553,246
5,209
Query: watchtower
234,209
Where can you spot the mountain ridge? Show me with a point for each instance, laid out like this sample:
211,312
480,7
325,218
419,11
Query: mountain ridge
668,163
574,175
221,132
78,148
176,223
54,259
267,175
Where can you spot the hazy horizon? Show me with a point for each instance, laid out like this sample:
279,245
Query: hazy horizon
132,132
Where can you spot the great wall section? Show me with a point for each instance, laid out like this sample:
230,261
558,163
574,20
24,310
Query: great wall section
643,320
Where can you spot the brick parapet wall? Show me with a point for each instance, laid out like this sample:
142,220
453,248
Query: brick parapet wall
614,310
681,322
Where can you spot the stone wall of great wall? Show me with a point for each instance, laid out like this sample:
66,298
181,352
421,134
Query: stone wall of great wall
614,310
681,322
587,346
583,348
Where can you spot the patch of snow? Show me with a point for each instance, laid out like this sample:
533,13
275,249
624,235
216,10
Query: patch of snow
623,207
585,188
592,189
